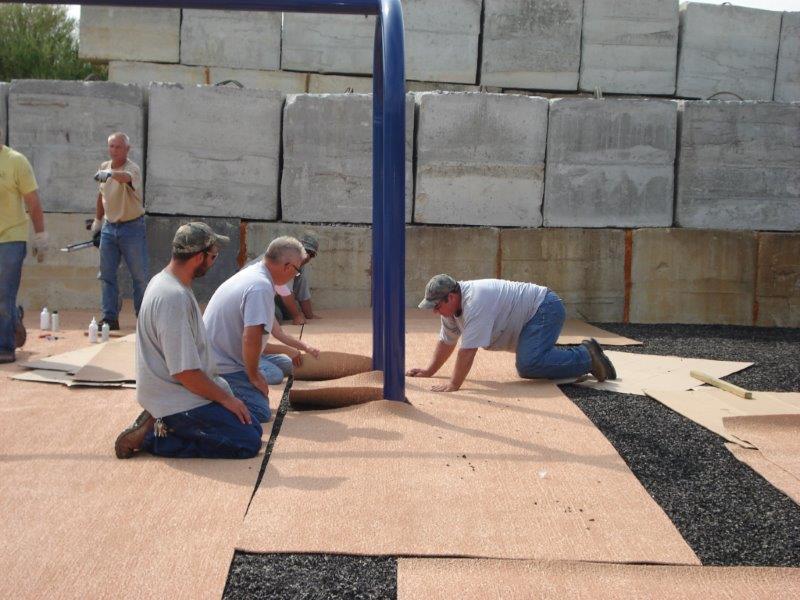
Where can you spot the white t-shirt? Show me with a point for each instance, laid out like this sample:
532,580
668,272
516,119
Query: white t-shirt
493,313
170,339
246,299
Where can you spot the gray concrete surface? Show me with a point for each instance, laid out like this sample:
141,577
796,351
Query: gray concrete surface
63,128
143,73
213,151
3,112
778,280
340,84
230,38
532,44
281,81
441,41
727,49
480,159
629,46
327,158
114,33
787,79
610,163
738,166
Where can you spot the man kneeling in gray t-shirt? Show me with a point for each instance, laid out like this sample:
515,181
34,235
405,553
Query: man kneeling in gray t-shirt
189,411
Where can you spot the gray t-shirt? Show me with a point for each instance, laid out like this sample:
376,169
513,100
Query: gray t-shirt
246,299
300,286
170,339
493,313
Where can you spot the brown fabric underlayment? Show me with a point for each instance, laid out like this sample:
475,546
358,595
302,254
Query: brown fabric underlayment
777,476
331,365
424,579
337,393
575,331
78,523
708,406
506,470
637,372
116,362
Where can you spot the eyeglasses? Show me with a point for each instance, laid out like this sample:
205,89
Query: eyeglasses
213,255
440,302
296,268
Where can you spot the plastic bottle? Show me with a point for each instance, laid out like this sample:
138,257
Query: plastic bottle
54,324
105,333
93,331
44,319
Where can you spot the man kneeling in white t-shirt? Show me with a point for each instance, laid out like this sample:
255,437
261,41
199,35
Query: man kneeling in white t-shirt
496,314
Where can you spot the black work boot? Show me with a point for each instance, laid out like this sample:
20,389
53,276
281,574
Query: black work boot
602,368
113,324
20,333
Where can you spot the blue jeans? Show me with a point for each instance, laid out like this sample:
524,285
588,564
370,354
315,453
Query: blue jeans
209,431
538,357
11,256
126,241
275,367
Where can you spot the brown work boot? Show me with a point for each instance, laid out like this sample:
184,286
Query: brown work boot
602,368
131,439
20,333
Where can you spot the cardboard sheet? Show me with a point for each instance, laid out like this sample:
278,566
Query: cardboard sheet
637,372
777,476
331,365
575,331
510,470
709,406
776,436
116,362
423,579
63,378
69,362
337,393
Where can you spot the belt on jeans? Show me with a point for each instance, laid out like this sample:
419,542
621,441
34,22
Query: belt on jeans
128,221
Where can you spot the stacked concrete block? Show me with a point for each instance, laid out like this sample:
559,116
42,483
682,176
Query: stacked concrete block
213,151
727,49
143,73
463,252
778,280
610,163
480,159
683,276
629,46
327,158
62,281
532,44
238,39
787,79
340,84
279,81
63,127
441,41
140,34
340,275
585,267
3,112
738,166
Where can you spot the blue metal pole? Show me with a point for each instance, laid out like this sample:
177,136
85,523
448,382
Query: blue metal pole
378,291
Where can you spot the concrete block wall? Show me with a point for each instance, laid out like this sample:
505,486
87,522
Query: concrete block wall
787,79
738,166
610,163
3,112
62,127
778,280
143,34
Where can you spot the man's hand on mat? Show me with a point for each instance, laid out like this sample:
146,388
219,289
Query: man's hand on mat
299,320
417,372
312,351
238,408
445,387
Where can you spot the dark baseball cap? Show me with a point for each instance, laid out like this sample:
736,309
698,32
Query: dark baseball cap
196,237
437,289
310,243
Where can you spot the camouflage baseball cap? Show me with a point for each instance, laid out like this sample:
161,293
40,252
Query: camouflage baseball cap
310,243
196,237
437,289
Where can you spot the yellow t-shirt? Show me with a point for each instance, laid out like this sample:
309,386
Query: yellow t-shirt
16,180
122,201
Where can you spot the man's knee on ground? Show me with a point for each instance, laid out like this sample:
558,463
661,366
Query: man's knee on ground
251,442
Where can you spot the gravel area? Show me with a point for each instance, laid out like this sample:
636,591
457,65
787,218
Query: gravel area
727,513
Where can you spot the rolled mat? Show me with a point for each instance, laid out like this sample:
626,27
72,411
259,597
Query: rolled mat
337,393
331,365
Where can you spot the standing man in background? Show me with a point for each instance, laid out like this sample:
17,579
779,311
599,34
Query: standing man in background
18,192
119,200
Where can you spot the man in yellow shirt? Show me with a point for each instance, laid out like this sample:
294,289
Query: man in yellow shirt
122,236
18,192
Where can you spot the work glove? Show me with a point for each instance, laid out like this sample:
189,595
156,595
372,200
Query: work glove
103,175
96,239
41,241
96,226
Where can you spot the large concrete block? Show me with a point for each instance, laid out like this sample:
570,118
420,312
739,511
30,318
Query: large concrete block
532,44
280,81
586,267
143,73
149,34
64,280
629,46
63,127
327,158
738,166
778,281
238,39
683,276
161,230
3,112
441,41
480,159
727,49
787,79
463,252
610,163
340,84
213,151
340,275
